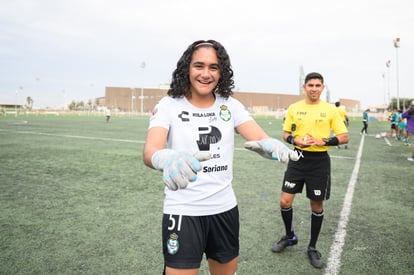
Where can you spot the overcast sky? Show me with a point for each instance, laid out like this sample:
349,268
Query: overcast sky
56,51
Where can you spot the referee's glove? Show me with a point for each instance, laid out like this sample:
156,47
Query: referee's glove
271,148
178,168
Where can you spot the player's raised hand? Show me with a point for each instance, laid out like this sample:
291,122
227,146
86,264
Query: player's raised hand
271,148
178,168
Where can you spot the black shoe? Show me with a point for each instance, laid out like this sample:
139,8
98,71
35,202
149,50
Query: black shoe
315,258
283,243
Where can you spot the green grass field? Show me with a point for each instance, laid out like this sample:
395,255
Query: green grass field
76,198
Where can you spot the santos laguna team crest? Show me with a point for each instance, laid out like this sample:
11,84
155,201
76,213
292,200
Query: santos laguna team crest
225,113
172,244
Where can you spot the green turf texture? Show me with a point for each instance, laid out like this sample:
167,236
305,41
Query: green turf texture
76,198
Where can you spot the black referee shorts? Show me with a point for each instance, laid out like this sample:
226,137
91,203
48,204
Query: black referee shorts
314,170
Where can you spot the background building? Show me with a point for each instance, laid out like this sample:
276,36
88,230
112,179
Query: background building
143,100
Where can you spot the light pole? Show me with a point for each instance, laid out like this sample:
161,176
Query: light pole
397,45
17,97
15,106
64,99
328,94
388,65
90,102
385,88
142,87
301,79
132,99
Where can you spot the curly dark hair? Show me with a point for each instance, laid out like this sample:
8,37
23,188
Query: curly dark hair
180,84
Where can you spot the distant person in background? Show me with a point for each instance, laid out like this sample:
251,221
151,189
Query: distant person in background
409,115
401,126
107,114
365,122
394,119
344,117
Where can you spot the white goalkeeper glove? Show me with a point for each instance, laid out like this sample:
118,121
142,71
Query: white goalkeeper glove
178,168
271,148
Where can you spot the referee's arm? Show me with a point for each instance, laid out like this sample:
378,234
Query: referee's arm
287,136
343,138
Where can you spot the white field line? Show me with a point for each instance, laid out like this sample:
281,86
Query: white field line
334,261
340,157
73,136
387,141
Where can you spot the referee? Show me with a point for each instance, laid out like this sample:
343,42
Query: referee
308,127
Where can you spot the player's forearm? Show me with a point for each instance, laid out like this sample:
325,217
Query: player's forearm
147,156
250,130
343,138
155,141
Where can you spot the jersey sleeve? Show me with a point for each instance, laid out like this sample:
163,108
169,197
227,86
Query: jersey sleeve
287,125
404,115
241,115
338,126
159,116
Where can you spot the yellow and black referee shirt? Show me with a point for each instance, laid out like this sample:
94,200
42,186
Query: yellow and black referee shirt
318,120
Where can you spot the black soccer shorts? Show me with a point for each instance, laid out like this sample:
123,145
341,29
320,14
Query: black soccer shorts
186,238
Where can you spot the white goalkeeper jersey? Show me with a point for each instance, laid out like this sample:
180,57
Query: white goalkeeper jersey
193,129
